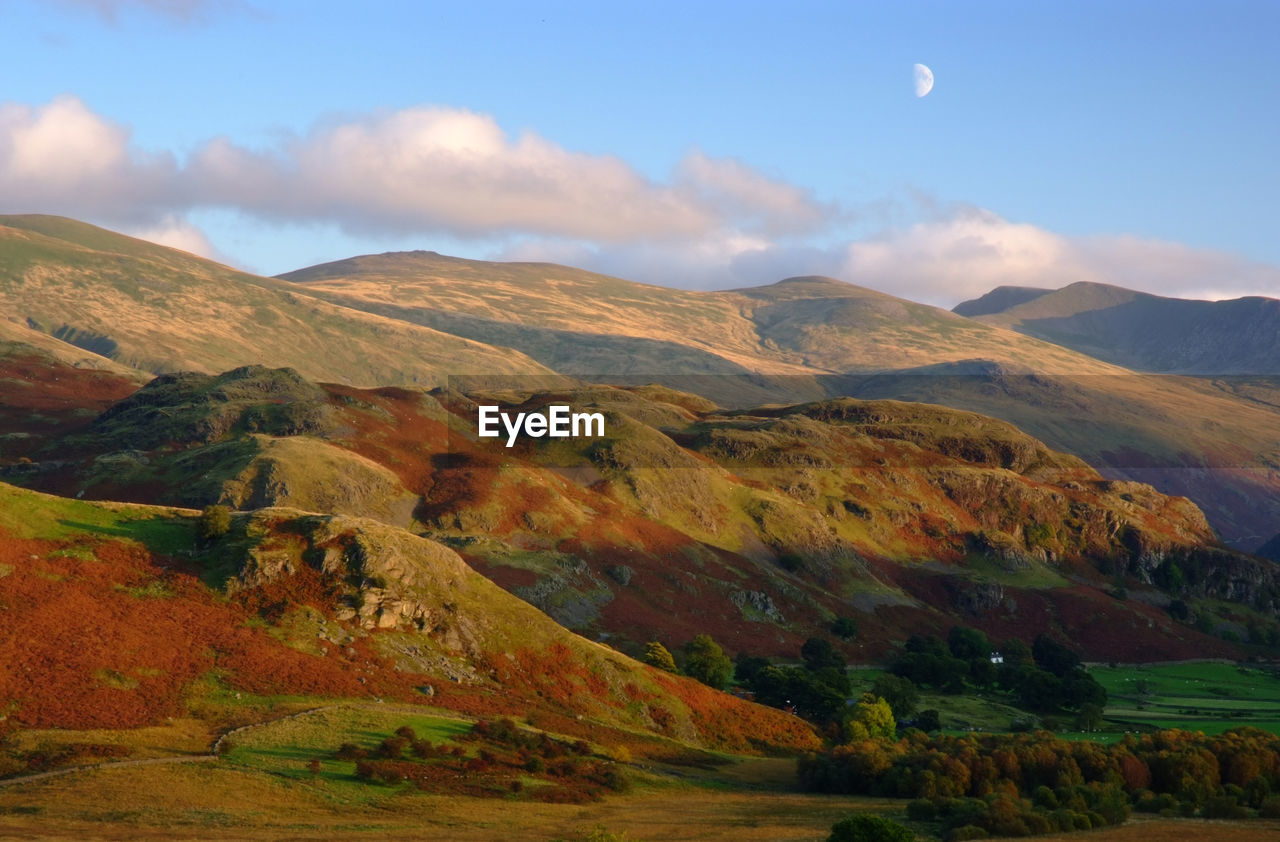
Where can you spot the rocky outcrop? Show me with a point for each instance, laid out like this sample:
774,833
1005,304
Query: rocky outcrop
382,578
191,408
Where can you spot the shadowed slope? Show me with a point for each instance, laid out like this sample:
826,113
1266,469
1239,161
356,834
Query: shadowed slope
158,309
1152,333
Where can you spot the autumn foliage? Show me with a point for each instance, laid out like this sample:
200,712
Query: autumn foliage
97,634
1017,785
501,760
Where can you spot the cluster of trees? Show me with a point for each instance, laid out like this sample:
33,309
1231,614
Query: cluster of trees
1044,677
1023,784
818,690
704,660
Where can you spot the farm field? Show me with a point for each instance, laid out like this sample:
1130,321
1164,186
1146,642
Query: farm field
1210,697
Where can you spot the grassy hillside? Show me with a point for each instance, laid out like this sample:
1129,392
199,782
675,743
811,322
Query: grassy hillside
1152,333
806,338
581,323
418,318
1212,440
160,310
758,526
123,616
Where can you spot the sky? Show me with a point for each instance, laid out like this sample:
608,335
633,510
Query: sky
698,145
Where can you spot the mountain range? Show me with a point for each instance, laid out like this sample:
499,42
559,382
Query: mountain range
234,502
803,486
1140,331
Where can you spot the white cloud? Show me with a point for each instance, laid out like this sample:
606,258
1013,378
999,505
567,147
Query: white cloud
414,171
63,158
944,262
455,171
714,223
755,201
708,262
947,261
179,233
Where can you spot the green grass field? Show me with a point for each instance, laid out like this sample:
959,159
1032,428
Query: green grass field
1208,697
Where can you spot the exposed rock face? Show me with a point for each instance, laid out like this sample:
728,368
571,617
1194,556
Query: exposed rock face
760,602
386,578
1213,573
572,596
980,598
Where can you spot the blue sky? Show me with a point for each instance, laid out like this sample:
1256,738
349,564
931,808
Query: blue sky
690,144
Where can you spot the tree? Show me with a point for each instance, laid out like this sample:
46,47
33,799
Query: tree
1089,717
1052,656
747,667
819,654
1038,689
657,655
845,628
868,828
215,521
928,645
929,720
1015,652
967,644
707,662
872,717
901,694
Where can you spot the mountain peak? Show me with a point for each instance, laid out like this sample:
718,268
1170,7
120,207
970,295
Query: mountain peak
998,300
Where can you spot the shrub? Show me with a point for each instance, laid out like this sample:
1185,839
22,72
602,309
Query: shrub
392,748
845,628
657,655
351,751
791,562
215,521
921,810
929,720
869,828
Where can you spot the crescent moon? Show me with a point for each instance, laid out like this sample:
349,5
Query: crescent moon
924,80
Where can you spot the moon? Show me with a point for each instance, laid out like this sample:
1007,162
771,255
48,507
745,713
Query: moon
924,80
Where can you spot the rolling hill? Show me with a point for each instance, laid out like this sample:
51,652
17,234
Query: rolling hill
155,309
419,318
123,616
808,338
1145,332
761,526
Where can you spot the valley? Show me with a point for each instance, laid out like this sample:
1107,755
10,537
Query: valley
251,531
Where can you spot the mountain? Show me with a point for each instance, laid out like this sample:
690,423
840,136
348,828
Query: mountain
1145,332
760,526
807,338
997,300
122,616
418,318
156,309
581,323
